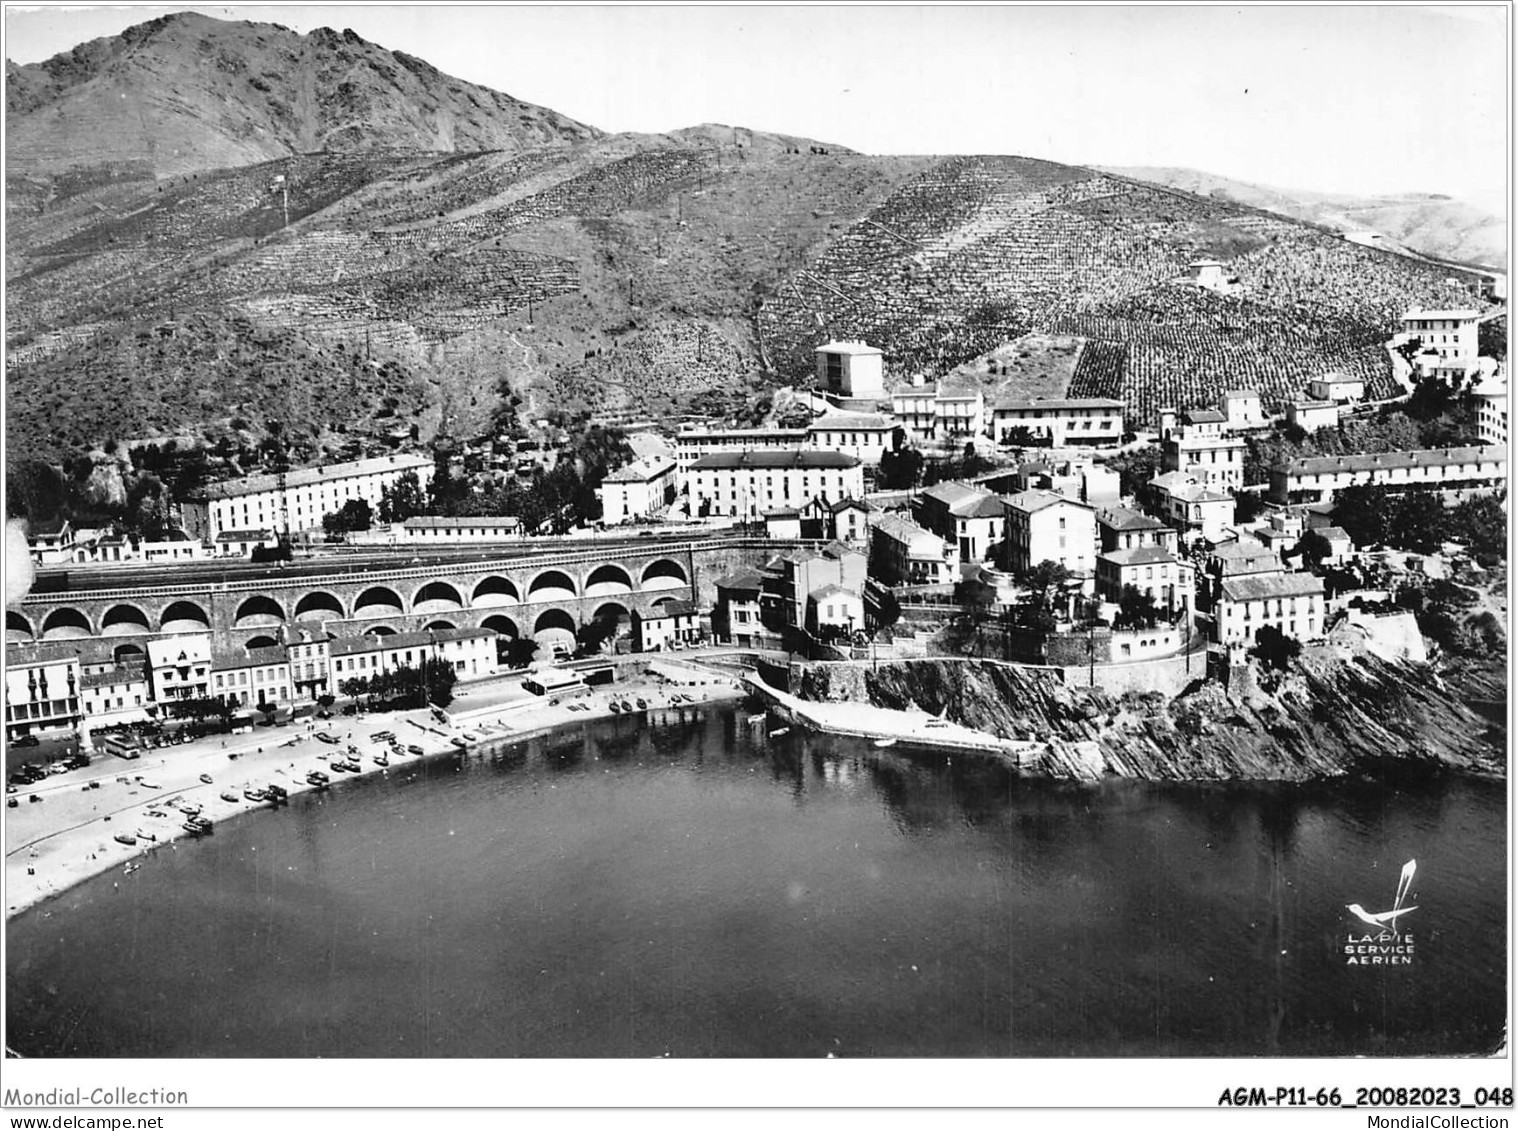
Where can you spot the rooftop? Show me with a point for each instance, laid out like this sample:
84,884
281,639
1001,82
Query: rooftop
1122,518
1058,404
306,476
1438,457
436,522
1037,500
1203,416
853,348
1139,555
222,659
779,460
745,580
1267,585
245,535
851,421
1448,314
114,676
641,470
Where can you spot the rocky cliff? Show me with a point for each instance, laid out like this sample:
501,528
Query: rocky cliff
1326,717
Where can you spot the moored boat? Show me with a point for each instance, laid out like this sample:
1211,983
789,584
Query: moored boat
885,742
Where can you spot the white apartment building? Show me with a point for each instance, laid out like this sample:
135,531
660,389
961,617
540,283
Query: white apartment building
1336,387
972,518
1199,445
121,695
41,696
696,443
179,667
1095,421
903,553
1450,333
1310,416
640,489
1242,410
1191,507
864,435
309,494
1043,526
1152,570
1317,478
1491,411
247,677
454,531
851,369
748,485
1292,602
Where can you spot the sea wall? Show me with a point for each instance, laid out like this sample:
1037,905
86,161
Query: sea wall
1326,717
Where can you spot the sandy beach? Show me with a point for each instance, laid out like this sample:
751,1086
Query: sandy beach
68,835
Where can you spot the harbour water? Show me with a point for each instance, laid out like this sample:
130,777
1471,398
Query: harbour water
689,885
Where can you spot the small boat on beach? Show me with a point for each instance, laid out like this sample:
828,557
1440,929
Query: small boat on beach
125,838
642,705
197,826
277,793
759,718
417,750
381,760
885,742
230,796
256,794
316,777
627,707
460,743
147,836
206,778
616,708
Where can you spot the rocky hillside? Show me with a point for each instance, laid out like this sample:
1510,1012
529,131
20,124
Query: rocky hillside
1326,718
185,92
504,259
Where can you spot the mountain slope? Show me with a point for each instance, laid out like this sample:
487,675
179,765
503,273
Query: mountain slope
186,92
636,276
1425,223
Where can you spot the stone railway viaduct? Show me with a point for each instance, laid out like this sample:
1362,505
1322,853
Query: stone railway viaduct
526,595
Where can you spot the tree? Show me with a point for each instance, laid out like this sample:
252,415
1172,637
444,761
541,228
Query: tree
593,633
1481,523
516,651
402,499
1361,512
354,515
1247,506
1314,548
1021,436
1418,522
1046,579
1136,609
1274,648
899,470
1135,469
438,677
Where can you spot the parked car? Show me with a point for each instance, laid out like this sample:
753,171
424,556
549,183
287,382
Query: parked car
27,740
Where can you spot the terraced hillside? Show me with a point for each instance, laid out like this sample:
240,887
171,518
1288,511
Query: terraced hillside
622,276
981,249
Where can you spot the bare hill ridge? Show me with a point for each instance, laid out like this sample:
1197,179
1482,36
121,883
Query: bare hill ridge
186,92
634,276
1426,223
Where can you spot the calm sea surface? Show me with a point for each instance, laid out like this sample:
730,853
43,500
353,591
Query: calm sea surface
688,885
